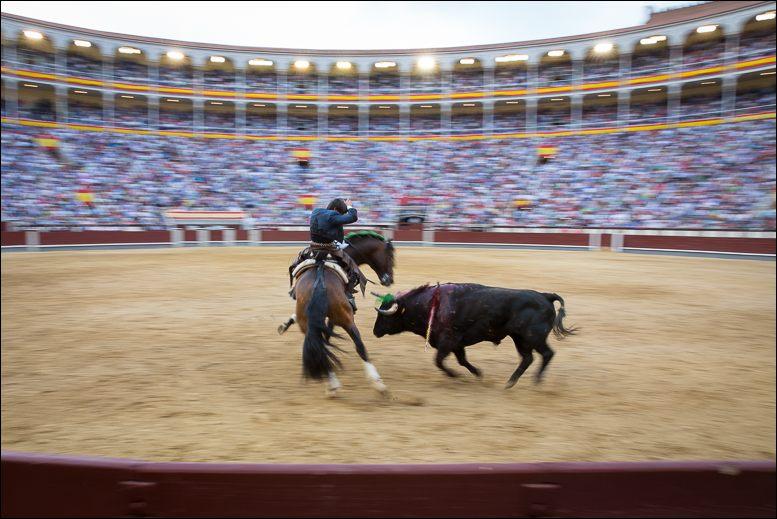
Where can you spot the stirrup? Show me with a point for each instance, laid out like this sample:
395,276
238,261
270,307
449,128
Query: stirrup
352,302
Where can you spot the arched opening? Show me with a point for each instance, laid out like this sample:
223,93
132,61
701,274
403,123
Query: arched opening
757,38
384,78
343,78
467,75
302,119
343,119
219,116
706,48
175,69
467,117
35,51
130,65
384,119
176,113
510,116
302,78
554,69
84,59
261,118
130,111
648,105
425,118
218,72
84,106
755,93
701,99
37,101
601,64
554,113
261,76
650,56
425,78
600,110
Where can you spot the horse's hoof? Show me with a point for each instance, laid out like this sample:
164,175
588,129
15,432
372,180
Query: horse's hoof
331,393
380,387
281,329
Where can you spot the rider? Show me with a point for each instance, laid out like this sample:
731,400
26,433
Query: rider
326,234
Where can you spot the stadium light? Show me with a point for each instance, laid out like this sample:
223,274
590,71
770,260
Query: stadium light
511,102
767,73
173,100
344,65
659,37
129,50
707,83
427,106
384,107
385,64
706,28
603,95
343,107
468,104
648,41
128,97
555,53
603,48
301,64
511,57
556,98
426,63
769,15
654,90
467,61
175,55
30,85
82,43
258,105
260,62
300,106
32,35
80,92
216,103
217,59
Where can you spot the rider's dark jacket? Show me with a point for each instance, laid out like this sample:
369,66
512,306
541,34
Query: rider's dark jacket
326,225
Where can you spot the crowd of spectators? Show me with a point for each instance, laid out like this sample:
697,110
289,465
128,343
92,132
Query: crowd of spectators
715,177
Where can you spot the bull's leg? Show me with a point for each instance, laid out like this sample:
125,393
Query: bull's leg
461,356
547,354
526,360
443,352
369,369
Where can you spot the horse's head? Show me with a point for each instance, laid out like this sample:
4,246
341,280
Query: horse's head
376,251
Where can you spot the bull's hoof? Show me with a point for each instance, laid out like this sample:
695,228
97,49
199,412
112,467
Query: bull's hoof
510,383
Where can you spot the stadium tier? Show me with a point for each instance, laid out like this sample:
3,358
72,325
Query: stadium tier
665,125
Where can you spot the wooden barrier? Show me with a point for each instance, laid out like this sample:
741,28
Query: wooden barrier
57,486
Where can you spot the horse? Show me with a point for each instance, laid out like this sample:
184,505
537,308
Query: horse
320,297
365,247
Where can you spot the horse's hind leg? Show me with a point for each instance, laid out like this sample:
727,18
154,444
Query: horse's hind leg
461,356
526,360
334,385
369,369
285,326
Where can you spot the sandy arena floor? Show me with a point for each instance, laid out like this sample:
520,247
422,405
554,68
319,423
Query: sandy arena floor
173,355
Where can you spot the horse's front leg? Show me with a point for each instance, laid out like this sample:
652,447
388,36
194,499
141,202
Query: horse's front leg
369,369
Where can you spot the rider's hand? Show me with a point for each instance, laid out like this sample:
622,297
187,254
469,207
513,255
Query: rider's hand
348,203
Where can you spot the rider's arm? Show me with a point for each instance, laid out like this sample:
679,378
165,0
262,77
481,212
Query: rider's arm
343,219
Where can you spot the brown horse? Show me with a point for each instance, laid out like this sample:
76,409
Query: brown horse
365,247
321,296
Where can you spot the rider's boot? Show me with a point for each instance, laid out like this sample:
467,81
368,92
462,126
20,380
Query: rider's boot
352,302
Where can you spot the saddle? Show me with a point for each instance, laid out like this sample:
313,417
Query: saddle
310,263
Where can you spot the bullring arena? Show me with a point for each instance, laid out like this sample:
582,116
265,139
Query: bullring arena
172,355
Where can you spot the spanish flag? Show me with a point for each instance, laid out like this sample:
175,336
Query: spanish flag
85,196
307,200
47,141
546,152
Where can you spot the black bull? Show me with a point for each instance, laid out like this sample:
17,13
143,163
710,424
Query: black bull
466,314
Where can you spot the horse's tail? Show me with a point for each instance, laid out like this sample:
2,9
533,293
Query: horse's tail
317,359
558,323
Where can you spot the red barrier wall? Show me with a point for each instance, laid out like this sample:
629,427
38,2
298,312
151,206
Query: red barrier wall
702,243
34,485
241,235
12,238
189,235
500,237
275,235
77,238
216,235
408,235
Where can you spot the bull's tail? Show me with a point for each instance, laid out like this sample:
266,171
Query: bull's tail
558,323
317,359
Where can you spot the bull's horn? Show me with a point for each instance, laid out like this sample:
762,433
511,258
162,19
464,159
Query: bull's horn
390,311
377,295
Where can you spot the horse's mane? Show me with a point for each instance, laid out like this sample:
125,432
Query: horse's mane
363,234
